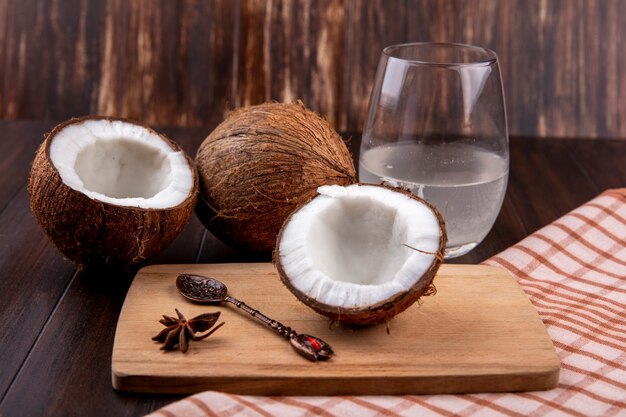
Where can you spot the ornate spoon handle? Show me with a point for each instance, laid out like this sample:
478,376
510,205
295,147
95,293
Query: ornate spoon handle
311,347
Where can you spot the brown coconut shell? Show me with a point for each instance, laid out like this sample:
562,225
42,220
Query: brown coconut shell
260,164
93,233
387,309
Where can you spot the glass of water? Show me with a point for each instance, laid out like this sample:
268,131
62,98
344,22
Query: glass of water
436,125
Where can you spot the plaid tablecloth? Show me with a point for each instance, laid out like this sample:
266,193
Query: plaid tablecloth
574,272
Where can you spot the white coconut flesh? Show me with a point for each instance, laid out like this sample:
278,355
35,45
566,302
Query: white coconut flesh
354,246
121,163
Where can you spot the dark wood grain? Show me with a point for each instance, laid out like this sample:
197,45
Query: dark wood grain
547,181
75,346
34,277
4,16
160,62
52,55
81,325
605,166
18,142
291,50
178,63
25,254
177,60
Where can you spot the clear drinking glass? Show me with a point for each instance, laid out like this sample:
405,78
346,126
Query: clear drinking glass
437,125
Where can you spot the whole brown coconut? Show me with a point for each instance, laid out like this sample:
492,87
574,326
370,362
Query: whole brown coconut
260,164
361,254
111,192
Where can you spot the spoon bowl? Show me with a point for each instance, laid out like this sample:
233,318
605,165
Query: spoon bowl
201,289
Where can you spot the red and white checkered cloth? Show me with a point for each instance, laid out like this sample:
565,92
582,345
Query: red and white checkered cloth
574,272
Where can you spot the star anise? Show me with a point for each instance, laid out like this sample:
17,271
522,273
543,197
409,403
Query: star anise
179,331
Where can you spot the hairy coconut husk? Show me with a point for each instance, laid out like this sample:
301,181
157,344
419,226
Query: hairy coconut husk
384,311
262,162
93,233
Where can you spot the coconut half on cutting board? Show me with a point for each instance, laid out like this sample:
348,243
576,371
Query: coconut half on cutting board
111,192
361,254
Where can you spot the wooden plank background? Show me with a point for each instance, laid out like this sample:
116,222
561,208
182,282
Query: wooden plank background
187,62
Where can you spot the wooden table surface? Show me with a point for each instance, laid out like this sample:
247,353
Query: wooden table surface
58,324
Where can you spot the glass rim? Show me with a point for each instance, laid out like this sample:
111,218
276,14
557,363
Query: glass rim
490,56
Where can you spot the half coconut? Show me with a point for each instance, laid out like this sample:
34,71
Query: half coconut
111,192
361,254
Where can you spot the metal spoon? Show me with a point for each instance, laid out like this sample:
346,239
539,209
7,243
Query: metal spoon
209,290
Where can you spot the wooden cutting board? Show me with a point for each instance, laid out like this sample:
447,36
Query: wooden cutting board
479,333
